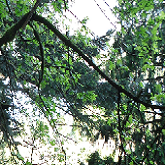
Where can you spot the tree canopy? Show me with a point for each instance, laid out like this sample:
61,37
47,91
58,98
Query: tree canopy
115,91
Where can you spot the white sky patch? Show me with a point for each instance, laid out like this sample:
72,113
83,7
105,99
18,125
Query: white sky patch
97,22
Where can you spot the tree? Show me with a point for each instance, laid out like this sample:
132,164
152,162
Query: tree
58,73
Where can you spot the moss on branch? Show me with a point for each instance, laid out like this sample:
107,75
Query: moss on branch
9,35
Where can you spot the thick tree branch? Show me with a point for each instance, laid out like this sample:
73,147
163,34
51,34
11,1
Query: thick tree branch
76,49
10,34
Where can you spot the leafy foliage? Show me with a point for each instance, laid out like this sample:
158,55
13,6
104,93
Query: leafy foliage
95,159
58,75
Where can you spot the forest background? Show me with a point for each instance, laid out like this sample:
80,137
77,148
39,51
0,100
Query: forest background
114,91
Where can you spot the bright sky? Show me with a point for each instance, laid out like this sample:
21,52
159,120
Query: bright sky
98,23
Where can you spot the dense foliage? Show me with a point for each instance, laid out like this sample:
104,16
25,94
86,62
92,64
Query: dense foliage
122,98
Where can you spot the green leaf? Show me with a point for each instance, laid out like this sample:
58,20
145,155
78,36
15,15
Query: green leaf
163,131
127,124
130,119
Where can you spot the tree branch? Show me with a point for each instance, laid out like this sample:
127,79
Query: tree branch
42,56
10,34
31,14
76,49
